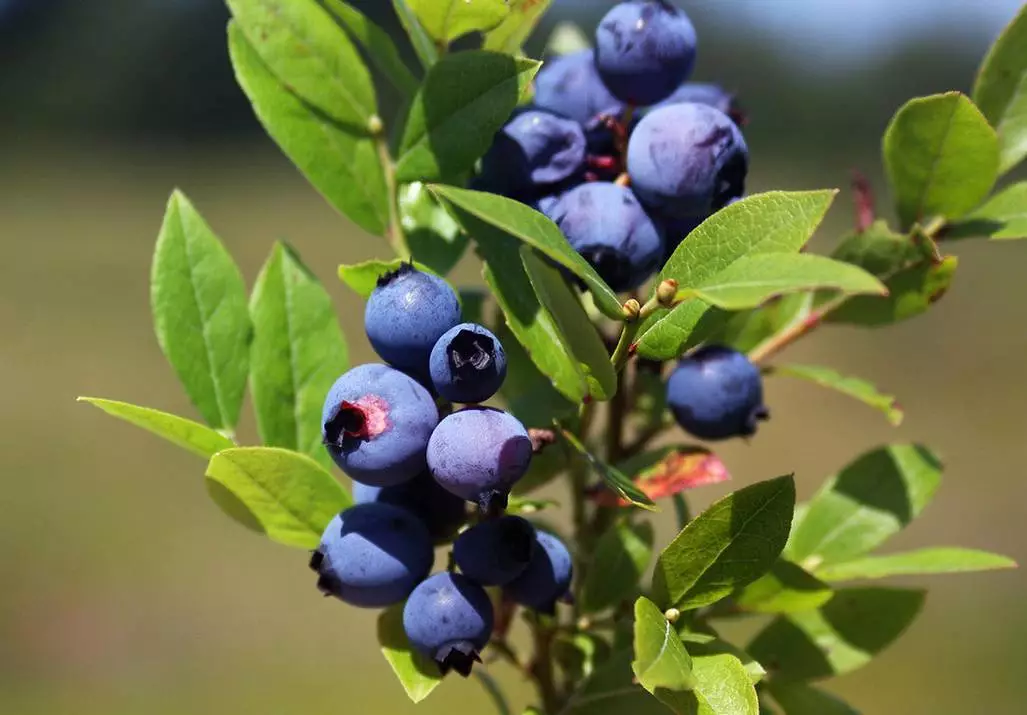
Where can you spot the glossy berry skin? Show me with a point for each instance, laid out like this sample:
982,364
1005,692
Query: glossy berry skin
570,86
443,513
376,423
449,618
468,364
478,454
607,225
547,578
496,551
535,149
372,555
712,95
716,393
406,314
687,160
644,50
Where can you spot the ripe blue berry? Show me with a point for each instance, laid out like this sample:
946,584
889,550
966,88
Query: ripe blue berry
376,424
372,555
570,86
534,150
716,393
687,160
406,314
443,513
605,223
712,95
478,454
547,578
468,364
449,619
644,50
496,551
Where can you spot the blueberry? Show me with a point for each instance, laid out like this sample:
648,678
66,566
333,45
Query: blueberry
677,230
716,393
547,578
443,513
376,424
712,95
449,618
687,160
570,86
496,551
372,555
644,50
535,149
605,223
478,454
406,314
468,364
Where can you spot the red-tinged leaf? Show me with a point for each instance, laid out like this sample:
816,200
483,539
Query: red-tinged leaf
678,470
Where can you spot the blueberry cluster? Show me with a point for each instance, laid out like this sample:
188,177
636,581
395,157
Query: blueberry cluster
622,153
414,475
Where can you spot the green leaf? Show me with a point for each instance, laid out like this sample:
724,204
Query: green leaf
784,589
466,98
298,352
881,251
841,636
728,546
754,279
1001,89
724,687
422,44
446,20
380,48
911,292
523,223
622,555
579,334
579,653
529,395
614,478
851,386
803,699
774,222
923,561
941,156
311,55
290,495
199,313
343,164
662,665
362,278
611,690
704,644
517,27
435,239
1003,217
198,439
748,329
865,504
418,674
676,331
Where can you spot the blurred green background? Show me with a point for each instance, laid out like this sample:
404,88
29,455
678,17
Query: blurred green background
125,591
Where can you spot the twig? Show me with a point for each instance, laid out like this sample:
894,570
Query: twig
397,239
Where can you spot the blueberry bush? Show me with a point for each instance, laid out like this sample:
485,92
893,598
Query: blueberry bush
632,288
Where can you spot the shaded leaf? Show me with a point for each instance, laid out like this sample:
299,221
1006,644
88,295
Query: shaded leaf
419,39
911,292
746,330
523,223
784,589
579,654
941,156
517,27
613,478
923,561
418,674
851,386
435,239
621,556
465,99
289,494
579,334
728,546
662,665
199,313
864,505
193,436
341,163
380,48
1004,216
446,20
1001,89
612,690
675,470
803,699
312,56
298,352
841,636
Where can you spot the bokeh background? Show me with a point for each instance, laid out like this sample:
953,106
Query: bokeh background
122,588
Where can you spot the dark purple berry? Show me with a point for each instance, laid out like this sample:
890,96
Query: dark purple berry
449,618
443,513
534,150
570,86
547,578
496,551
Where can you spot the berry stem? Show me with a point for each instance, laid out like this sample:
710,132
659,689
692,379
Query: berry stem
397,239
